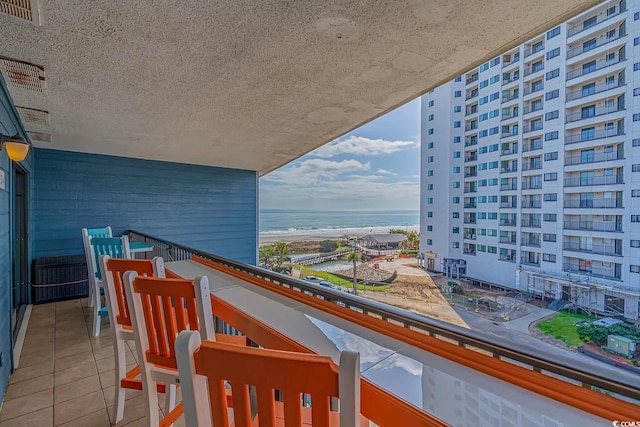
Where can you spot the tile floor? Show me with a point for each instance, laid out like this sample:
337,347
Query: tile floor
65,376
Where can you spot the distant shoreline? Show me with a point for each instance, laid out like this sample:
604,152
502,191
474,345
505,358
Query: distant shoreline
270,237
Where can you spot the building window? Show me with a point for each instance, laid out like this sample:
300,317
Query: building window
537,47
457,109
552,74
430,159
494,79
456,215
430,131
636,41
493,147
494,96
456,154
431,103
550,197
455,245
548,257
552,54
429,200
550,217
456,184
456,169
634,268
551,156
429,227
551,95
553,33
635,193
456,139
492,250
430,145
636,117
635,218
456,200
457,93
459,78
635,168
636,142
429,214
549,136
635,243
636,66
483,100
551,115
636,16
484,83
430,172
484,67
636,91
455,230
456,124
551,176
548,237
429,242
429,186
493,130
430,118
495,61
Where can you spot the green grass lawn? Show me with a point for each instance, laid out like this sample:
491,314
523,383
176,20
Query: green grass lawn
562,326
338,281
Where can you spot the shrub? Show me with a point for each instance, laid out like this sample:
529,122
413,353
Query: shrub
328,245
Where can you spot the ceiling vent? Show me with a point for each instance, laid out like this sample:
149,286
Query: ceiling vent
31,115
24,75
18,8
39,137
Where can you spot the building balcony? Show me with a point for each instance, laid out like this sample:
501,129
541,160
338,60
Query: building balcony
535,185
591,136
531,147
600,203
584,159
471,127
599,88
471,142
469,252
507,223
593,180
469,190
515,60
532,70
510,115
594,272
510,80
469,220
509,134
606,226
507,187
508,240
533,50
509,98
533,89
531,128
599,42
508,258
597,112
471,95
580,27
509,169
470,174
599,65
512,150
472,79
471,158
530,224
531,166
530,261
472,110
530,242
532,108
595,249
470,205
470,237
531,204
508,205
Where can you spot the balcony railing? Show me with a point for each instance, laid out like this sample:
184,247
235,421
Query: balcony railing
531,204
471,126
531,147
469,221
509,134
509,258
530,224
515,60
535,185
532,70
599,65
509,205
470,174
597,249
509,98
601,87
532,127
510,115
508,222
474,347
472,79
599,42
593,180
590,136
596,112
470,142
530,51
533,89
509,169
470,190
472,110
578,28
599,272
608,226
512,150
583,159
530,261
532,108
471,158
471,95
510,240
593,203
530,242
510,80
507,187
531,166
469,251
469,205
470,236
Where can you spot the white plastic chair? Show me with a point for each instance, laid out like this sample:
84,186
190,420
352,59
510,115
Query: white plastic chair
112,271
204,369
86,233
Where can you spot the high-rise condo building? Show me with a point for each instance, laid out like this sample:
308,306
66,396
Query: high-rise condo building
531,166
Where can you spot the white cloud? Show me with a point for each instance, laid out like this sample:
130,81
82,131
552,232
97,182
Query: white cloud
385,172
362,146
309,172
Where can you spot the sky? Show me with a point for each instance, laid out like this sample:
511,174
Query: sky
374,167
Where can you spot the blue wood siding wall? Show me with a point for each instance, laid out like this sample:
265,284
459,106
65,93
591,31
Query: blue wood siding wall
207,208
9,125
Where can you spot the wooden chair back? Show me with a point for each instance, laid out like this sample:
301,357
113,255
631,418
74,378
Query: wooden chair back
115,247
205,368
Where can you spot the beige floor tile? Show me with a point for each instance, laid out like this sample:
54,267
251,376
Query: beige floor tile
41,418
76,389
133,411
107,378
67,362
33,371
75,331
24,405
103,340
35,339
29,386
37,347
96,419
75,373
109,395
109,363
103,353
78,407
30,359
69,350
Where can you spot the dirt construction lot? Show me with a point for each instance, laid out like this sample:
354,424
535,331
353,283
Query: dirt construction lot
416,291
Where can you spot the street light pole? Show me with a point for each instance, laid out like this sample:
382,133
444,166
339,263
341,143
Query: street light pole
355,278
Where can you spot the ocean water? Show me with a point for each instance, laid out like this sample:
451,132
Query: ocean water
284,222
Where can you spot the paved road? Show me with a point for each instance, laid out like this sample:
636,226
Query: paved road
512,337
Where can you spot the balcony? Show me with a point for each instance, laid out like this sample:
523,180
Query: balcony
593,180
471,126
509,134
512,150
509,205
515,60
599,42
510,115
468,220
533,185
531,204
591,136
471,158
508,222
595,272
507,187
532,127
472,110
470,190
531,147
473,78
469,251
470,205
578,28
530,51
533,70
584,159
593,203
532,108
508,240
596,112
509,169
595,249
471,142
470,237
509,98
606,226
470,174
599,88
535,262
509,258
510,80
533,89
530,223
530,242
531,166
599,65
471,95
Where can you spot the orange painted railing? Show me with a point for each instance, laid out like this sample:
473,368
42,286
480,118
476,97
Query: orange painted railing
581,398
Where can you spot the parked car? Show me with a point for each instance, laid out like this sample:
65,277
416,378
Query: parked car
321,282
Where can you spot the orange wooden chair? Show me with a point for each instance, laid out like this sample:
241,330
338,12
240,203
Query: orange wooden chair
112,270
160,309
206,367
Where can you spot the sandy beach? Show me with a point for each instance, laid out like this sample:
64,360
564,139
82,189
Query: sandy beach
269,238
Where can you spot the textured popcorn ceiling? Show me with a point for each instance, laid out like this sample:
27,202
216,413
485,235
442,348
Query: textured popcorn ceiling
248,84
